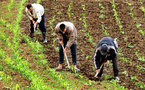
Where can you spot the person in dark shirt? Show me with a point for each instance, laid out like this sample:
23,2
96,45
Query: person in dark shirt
106,50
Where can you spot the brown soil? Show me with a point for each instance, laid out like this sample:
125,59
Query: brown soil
2,85
84,48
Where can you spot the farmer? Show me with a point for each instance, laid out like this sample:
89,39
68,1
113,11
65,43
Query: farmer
106,50
67,36
35,12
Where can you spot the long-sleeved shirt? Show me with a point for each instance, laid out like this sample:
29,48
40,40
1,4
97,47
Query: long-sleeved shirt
111,53
37,12
71,33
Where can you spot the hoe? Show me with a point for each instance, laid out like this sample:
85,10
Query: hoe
66,58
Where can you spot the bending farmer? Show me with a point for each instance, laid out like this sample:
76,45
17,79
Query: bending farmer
67,36
35,12
106,50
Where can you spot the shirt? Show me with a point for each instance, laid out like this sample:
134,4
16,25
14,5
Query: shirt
70,34
111,53
37,12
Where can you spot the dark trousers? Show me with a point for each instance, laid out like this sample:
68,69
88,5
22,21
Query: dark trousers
41,25
73,53
115,68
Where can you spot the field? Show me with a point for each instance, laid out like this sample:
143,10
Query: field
27,63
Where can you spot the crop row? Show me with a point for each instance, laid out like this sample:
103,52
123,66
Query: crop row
131,13
133,78
22,66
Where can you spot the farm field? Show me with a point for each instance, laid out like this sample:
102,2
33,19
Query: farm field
27,63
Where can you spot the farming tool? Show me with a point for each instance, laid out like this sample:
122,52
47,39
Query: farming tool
98,72
66,58
34,29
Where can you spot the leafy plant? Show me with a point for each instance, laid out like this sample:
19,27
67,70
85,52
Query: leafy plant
129,45
124,59
141,58
143,9
133,78
140,84
116,16
101,16
69,10
125,73
142,32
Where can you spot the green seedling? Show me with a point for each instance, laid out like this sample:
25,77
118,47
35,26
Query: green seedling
142,68
124,59
122,32
143,9
120,27
129,3
142,32
141,58
69,10
125,73
125,39
101,16
107,77
90,39
10,5
129,45
88,57
140,84
132,14
59,13
89,83
102,12
138,26
84,7
38,1
133,78
52,20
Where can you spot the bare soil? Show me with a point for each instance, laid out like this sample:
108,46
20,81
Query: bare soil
84,48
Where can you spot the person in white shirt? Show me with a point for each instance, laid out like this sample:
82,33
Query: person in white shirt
35,12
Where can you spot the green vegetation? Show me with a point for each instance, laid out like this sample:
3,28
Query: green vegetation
143,9
23,64
116,17
69,12
102,16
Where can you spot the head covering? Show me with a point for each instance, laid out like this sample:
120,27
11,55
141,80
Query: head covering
104,49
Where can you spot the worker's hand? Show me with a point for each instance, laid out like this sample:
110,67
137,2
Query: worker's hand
98,70
33,21
61,42
65,50
35,24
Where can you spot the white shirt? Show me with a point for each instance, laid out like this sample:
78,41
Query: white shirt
37,12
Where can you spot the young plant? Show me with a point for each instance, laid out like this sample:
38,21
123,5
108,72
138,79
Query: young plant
132,14
143,9
116,16
133,78
140,84
125,73
38,1
69,10
141,58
